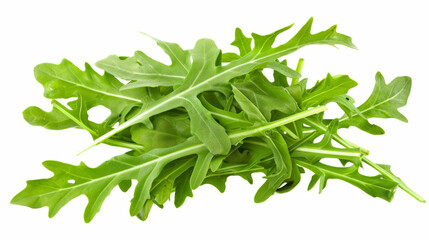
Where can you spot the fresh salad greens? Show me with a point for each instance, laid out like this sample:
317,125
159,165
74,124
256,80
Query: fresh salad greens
207,116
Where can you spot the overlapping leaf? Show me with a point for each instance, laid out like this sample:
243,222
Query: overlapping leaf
199,122
206,75
70,181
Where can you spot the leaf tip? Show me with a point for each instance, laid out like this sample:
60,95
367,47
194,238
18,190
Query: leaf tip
149,36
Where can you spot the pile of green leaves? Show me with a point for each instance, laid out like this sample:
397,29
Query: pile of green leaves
207,116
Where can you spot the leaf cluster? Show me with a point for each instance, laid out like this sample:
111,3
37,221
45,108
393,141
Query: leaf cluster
207,116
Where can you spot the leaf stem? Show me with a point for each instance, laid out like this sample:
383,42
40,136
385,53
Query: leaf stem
124,144
112,142
298,69
288,131
66,112
237,136
221,173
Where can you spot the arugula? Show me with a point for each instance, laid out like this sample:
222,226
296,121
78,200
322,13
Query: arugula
382,103
206,75
207,116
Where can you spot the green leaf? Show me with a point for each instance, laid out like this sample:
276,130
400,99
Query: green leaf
234,156
293,181
183,188
326,89
265,96
252,112
66,81
283,69
167,130
147,72
283,164
346,103
163,185
201,168
329,37
219,182
229,57
383,102
62,117
54,120
375,186
70,181
229,120
242,42
280,79
144,213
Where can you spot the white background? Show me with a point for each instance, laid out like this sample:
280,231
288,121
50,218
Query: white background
392,38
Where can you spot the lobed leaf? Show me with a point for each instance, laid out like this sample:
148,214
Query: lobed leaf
375,186
383,102
147,72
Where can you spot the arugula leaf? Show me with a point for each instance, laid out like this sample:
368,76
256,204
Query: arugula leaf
283,167
326,89
200,170
383,102
163,185
227,119
375,186
280,78
283,69
167,130
70,181
242,42
67,81
146,72
265,96
54,120
182,188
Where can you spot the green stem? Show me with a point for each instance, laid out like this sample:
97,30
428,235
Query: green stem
289,132
302,141
112,142
66,112
377,167
238,135
220,173
298,69
124,144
